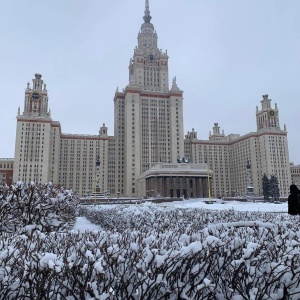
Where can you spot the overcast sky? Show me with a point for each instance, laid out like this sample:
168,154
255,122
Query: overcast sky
225,54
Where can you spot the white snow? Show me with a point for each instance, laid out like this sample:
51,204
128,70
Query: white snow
236,205
83,224
48,260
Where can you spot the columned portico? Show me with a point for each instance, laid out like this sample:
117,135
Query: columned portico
177,180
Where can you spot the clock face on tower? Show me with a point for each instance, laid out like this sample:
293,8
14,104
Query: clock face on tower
271,113
35,96
151,57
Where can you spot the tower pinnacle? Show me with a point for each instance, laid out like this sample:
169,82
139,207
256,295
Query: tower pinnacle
147,18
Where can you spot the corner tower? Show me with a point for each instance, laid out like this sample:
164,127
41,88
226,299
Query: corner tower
148,114
267,118
37,138
36,98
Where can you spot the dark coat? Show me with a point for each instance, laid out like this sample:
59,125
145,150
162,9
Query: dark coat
293,204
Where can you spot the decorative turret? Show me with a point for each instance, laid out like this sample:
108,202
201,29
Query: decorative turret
103,131
37,82
216,136
36,98
267,118
191,135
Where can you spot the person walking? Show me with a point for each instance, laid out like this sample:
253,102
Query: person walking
293,200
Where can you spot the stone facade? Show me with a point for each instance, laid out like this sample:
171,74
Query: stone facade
148,114
266,150
148,131
6,170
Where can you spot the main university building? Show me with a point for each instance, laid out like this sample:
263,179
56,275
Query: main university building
148,153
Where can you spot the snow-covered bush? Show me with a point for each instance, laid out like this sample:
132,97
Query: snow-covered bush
147,252
29,207
205,254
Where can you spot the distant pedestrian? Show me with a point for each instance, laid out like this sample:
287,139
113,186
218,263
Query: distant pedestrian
293,200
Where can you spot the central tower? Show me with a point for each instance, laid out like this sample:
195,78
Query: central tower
148,69
148,114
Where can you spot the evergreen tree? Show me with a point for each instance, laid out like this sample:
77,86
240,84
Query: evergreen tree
266,187
274,189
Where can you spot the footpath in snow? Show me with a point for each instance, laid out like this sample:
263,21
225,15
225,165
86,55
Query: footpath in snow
83,224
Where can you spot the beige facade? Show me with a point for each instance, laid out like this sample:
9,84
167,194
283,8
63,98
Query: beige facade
78,155
148,115
6,170
37,137
266,150
148,130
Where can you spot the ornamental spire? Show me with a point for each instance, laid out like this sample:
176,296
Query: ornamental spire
147,18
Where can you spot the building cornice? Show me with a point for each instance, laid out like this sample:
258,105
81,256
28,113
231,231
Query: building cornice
82,137
39,120
177,170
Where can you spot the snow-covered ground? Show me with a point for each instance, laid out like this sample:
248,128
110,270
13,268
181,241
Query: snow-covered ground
237,205
82,224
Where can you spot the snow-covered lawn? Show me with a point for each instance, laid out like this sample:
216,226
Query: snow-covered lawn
236,205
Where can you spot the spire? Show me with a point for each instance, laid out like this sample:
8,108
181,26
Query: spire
148,28
147,18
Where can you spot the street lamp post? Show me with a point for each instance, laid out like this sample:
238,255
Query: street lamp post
118,193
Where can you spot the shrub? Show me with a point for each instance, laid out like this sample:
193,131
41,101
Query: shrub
146,252
27,207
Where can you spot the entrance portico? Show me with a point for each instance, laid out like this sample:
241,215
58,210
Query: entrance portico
177,180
